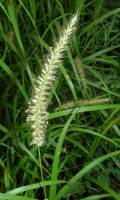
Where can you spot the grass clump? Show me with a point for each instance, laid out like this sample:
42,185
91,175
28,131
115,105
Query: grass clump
80,159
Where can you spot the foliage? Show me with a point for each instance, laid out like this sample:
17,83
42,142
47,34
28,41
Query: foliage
80,159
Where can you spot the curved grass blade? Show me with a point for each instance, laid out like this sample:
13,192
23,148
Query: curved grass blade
83,109
106,188
82,172
99,20
96,197
4,196
55,169
14,22
34,186
11,74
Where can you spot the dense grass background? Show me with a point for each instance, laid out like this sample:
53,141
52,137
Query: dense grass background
81,157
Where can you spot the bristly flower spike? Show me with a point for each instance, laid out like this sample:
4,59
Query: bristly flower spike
37,110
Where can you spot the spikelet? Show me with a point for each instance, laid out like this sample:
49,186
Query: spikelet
37,110
80,69
82,102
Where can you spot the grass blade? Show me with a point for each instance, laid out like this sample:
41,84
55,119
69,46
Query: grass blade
56,160
82,172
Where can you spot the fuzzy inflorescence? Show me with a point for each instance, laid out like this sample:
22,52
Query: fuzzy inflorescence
37,110
80,69
82,102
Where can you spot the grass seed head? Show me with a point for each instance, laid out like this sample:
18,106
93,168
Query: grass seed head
37,111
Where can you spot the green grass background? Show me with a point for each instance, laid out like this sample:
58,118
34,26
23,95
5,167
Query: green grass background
81,157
